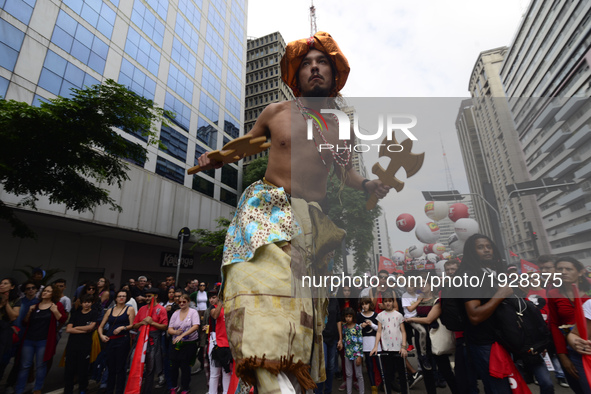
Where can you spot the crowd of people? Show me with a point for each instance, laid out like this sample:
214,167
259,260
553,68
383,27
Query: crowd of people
376,327
102,327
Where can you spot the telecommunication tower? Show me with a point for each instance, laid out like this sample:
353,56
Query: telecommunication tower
313,28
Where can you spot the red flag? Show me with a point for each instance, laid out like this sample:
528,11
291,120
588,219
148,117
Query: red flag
512,254
501,366
386,264
527,267
582,328
136,370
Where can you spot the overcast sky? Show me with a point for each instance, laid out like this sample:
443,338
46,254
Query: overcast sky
405,49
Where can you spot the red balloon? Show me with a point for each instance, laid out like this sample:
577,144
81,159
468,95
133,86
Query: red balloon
405,222
458,211
428,248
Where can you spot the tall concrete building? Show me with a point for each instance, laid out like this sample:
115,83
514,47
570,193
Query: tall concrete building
547,78
502,154
477,173
263,79
189,57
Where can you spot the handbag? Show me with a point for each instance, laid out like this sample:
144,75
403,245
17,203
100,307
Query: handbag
443,340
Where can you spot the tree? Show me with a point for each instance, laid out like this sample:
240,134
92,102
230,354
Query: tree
255,171
66,147
213,239
346,208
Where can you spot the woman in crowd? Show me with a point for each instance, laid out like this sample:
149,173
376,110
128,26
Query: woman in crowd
562,312
40,338
428,310
348,298
103,292
89,288
183,327
116,338
10,305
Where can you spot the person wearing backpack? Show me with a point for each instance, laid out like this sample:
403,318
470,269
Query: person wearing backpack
562,313
482,259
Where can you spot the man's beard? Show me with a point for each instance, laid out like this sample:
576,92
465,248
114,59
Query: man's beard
317,91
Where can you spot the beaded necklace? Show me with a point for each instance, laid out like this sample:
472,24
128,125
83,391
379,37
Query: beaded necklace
342,158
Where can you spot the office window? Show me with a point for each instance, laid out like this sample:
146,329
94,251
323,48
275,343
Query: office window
175,142
58,76
190,11
213,61
147,22
211,84
183,113
183,57
77,40
236,27
220,5
236,46
180,83
160,6
233,105
207,133
142,51
216,20
231,126
95,12
228,197
3,86
20,9
186,32
199,150
209,108
202,185
235,64
12,40
215,40
170,170
136,80
234,85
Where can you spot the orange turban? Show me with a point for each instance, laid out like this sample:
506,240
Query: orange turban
297,50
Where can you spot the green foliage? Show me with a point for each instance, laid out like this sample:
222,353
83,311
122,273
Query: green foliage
48,273
213,239
346,208
255,171
66,147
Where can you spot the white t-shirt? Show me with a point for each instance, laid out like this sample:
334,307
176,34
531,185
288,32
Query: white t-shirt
391,334
587,309
408,300
67,303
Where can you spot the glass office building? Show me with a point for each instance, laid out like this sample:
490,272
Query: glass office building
188,56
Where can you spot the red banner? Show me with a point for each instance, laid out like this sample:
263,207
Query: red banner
136,371
386,264
527,267
512,254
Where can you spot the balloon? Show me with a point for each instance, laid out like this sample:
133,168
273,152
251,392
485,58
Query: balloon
438,249
446,255
457,247
405,222
436,210
415,251
458,211
432,257
465,228
428,248
427,233
398,256
439,267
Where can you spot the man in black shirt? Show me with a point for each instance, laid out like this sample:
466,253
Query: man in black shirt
138,292
80,328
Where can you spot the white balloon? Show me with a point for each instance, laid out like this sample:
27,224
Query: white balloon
427,233
438,248
439,267
415,251
457,247
432,257
446,255
437,211
466,227
398,256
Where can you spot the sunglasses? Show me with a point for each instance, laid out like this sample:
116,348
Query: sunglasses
182,302
91,288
